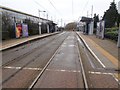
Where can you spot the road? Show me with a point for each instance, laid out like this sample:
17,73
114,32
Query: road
58,61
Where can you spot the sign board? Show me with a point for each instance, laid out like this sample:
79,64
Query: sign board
18,30
24,30
21,30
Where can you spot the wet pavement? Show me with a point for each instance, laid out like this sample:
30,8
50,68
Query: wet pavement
28,66
22,65
64,71
97,75
105,50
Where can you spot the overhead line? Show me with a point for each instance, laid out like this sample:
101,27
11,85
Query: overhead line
41,6
54,7
72,10
84,8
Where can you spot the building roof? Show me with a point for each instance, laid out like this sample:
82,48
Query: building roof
86,19
6,8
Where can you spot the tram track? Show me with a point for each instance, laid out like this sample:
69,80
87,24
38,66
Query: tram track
85,83
29,52
40,74
96,72
69,62
35,57
83,70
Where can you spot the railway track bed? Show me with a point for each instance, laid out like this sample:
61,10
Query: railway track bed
63,63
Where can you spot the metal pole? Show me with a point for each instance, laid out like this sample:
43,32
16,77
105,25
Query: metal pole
1,46
87,14
47,16
39,23
118,44
92,11
61,22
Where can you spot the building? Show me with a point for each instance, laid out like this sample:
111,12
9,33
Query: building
80,26
12,19
88,25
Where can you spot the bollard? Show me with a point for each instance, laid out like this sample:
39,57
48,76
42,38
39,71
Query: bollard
118,44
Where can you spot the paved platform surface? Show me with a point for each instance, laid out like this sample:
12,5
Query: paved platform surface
13,42
106,50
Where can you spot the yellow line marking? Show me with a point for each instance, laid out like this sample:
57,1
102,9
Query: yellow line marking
105,53
117,76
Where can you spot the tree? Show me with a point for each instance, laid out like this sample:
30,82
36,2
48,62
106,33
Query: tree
96,19
118,20
71,26
111,15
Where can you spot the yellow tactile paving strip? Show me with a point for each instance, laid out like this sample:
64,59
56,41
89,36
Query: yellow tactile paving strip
117,76
104,52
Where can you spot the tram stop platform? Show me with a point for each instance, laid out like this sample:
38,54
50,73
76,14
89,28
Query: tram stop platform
14,42
106,51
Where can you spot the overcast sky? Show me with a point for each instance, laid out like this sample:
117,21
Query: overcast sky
67,10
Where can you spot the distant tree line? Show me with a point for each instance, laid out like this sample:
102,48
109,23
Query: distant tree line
71,26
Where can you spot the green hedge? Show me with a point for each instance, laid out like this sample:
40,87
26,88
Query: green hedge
111,29
112,33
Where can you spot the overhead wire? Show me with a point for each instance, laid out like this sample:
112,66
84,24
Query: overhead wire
84,8
72,11
58,12
55,7
42,6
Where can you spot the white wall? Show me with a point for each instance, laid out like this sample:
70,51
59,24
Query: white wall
91,25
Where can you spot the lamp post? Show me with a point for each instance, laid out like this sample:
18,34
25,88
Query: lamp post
40,22
40,11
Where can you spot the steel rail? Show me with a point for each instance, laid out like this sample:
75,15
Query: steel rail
92,53
43,70
82,69
28,53
23,66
